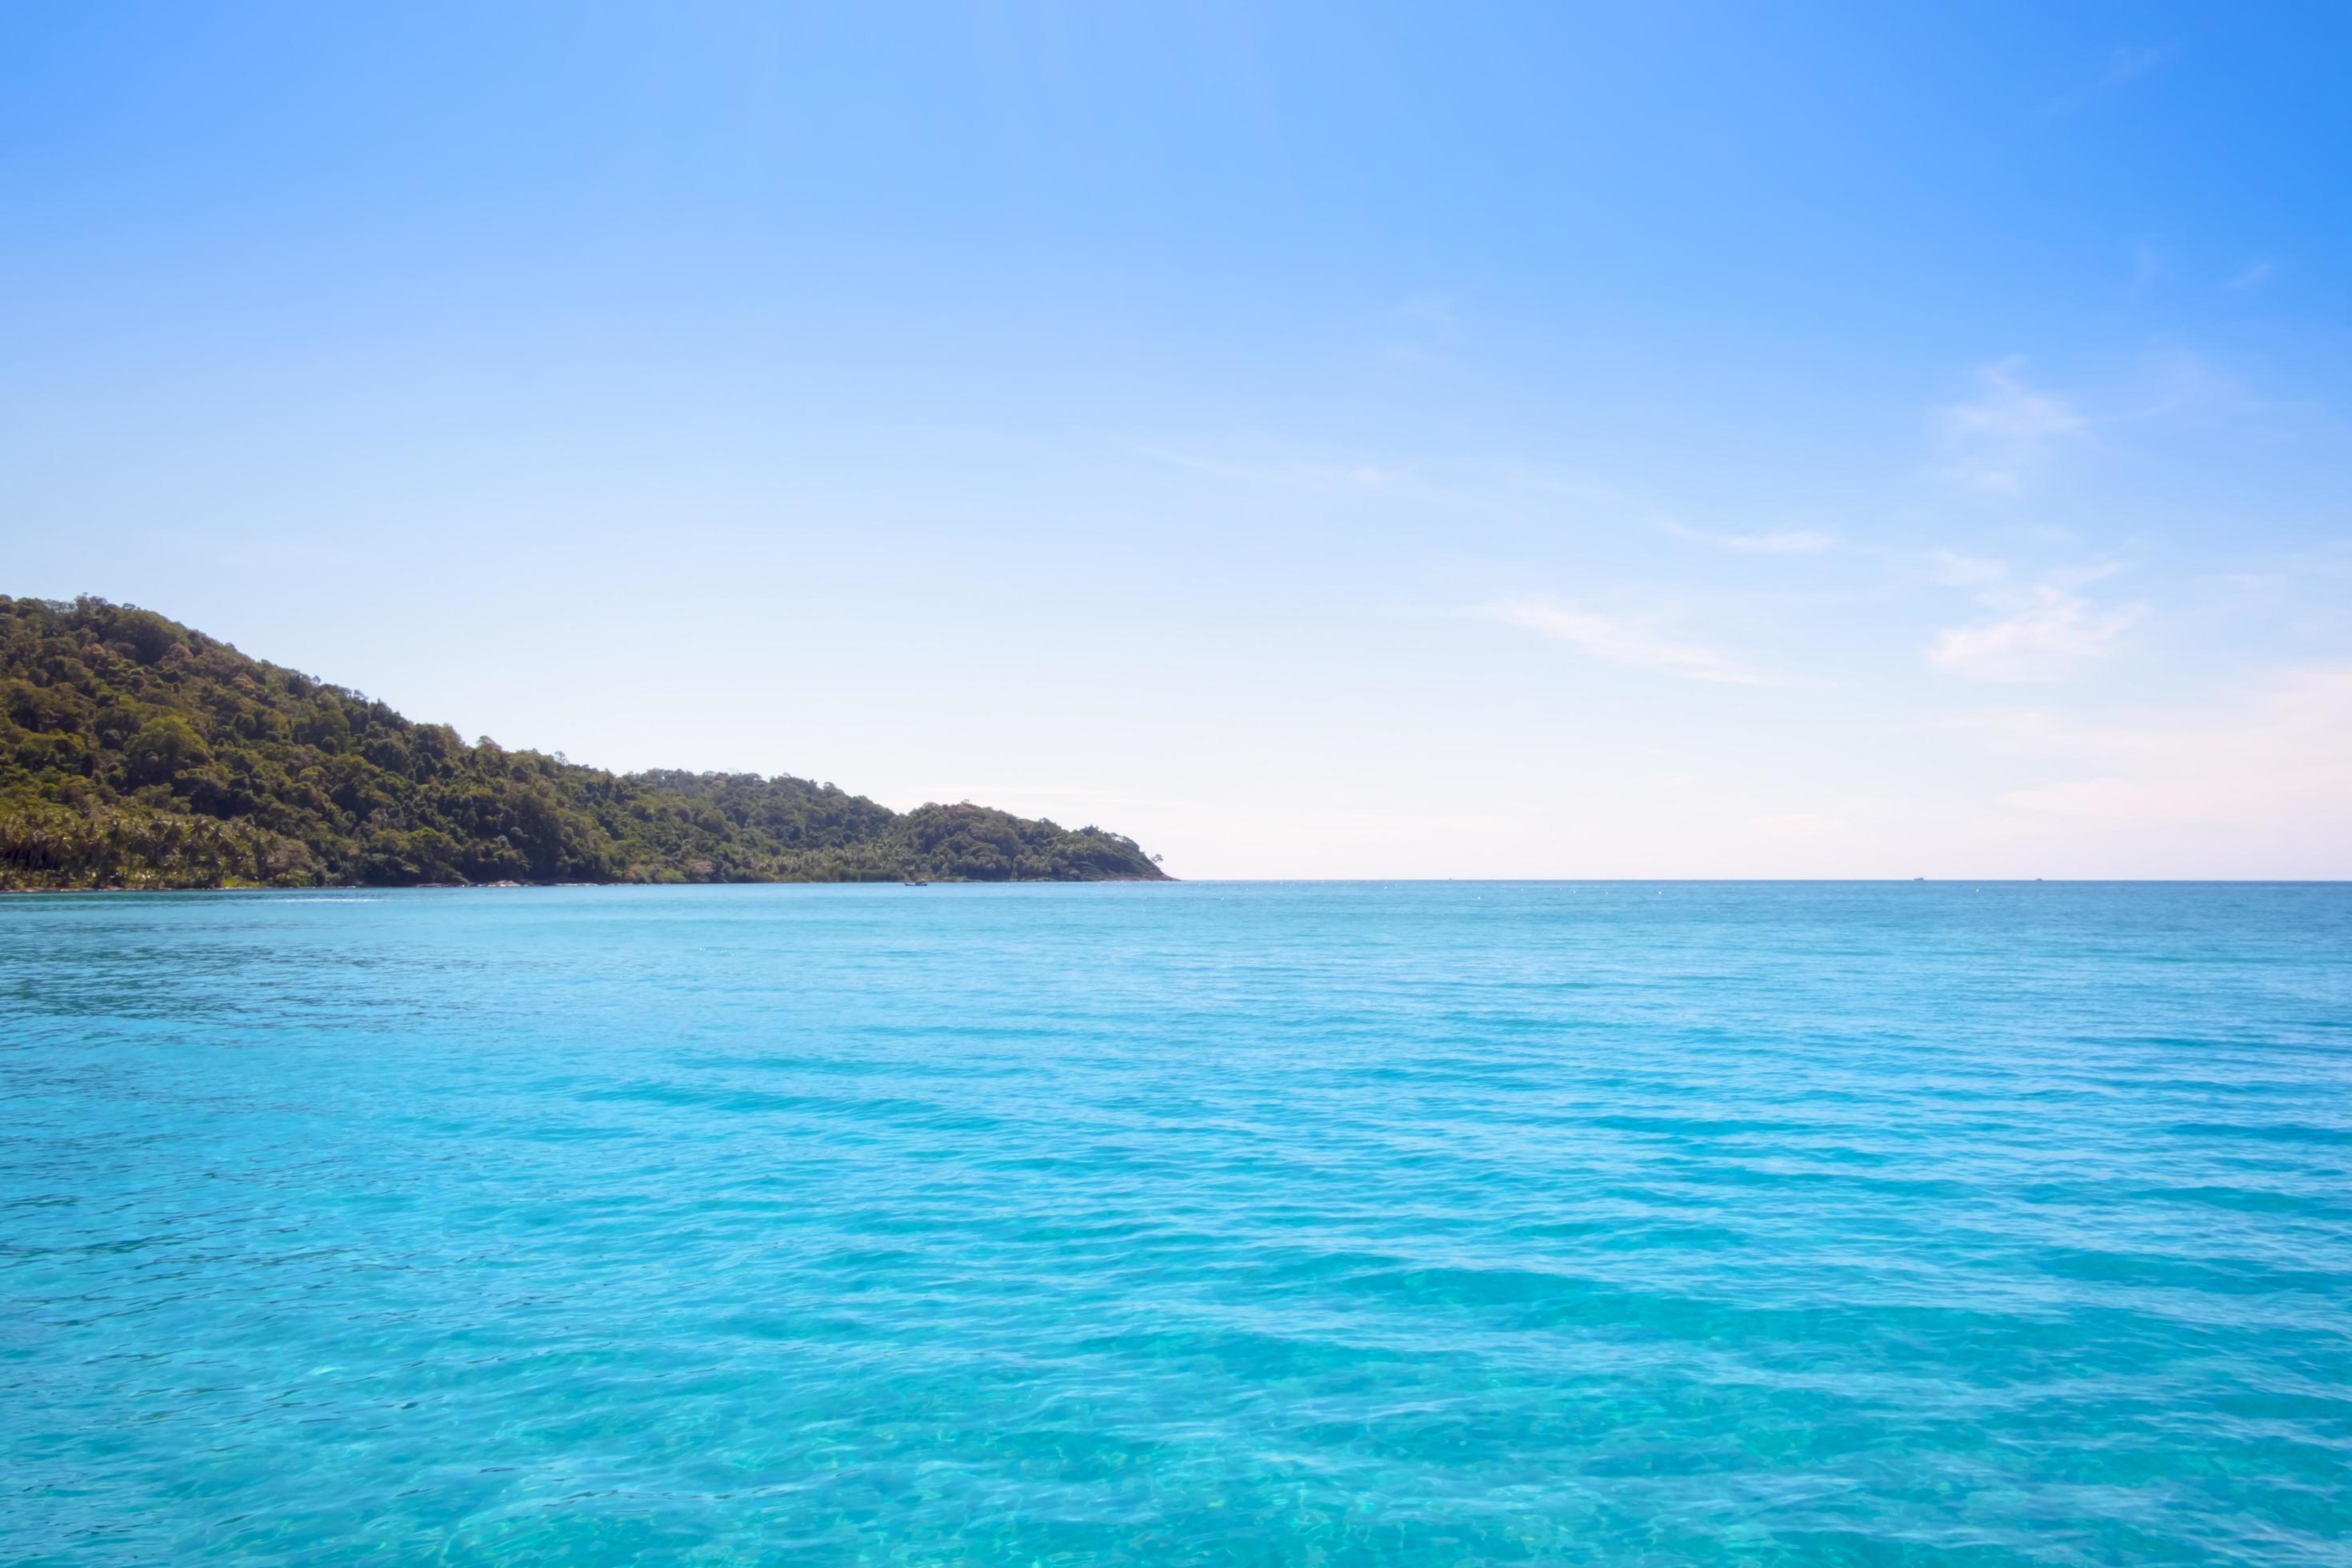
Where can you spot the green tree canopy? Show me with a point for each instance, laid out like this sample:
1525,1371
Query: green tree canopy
137,752
163,748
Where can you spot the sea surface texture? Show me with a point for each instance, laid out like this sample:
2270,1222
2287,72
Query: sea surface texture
1903,1224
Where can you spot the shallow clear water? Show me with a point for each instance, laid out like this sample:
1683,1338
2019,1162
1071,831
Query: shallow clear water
1892,1224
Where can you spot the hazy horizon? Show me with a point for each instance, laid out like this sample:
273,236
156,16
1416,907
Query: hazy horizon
1317,442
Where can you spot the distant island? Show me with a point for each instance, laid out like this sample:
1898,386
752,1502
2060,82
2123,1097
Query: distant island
135,753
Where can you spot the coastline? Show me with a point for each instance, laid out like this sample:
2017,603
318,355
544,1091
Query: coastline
513,885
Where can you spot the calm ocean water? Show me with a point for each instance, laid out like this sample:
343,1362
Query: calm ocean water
1259,1223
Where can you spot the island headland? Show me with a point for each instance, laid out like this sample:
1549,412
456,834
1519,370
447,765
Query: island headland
137,752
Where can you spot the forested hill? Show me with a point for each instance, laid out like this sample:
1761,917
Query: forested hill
135,753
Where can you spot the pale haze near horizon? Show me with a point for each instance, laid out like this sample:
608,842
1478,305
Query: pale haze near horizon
1318,441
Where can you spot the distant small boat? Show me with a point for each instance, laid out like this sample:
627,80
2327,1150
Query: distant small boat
913,882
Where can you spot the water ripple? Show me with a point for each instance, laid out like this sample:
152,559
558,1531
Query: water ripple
1330,1224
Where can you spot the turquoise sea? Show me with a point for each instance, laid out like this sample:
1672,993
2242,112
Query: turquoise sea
1875,1224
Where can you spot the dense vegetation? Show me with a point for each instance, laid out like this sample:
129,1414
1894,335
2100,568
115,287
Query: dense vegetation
135,753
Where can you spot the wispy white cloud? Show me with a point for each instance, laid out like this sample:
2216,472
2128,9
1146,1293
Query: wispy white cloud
1994,441
2276,757
1630,643
2251,276
2128,62
1638,510
2119,67
2174,384
1957,568
1422,326
1288,477
2307,592
2012,431
2044,634
1784,541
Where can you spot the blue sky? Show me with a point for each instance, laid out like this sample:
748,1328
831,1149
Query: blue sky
1340,440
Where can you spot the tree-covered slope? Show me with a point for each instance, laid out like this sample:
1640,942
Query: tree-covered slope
136,752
